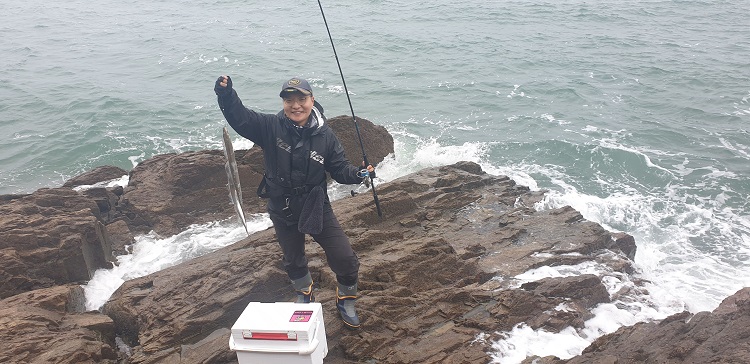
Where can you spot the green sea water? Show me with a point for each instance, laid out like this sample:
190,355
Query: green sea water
634,112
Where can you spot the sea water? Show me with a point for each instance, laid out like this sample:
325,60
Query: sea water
635,113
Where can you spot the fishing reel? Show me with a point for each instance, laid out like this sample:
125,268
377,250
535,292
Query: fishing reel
366,176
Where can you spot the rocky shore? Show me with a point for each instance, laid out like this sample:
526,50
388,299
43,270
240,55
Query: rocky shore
437,274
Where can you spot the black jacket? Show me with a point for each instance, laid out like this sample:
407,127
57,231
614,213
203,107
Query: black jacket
296,159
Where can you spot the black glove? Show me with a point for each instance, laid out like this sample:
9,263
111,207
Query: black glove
221,90
372,174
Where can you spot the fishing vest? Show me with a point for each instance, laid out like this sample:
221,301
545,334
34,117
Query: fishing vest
296,163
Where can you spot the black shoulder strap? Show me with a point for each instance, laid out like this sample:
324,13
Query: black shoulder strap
262,191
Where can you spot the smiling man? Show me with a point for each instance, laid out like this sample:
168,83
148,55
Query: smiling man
298,150
298,100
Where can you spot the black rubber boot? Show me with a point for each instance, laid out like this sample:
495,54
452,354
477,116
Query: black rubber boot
345,298
304,289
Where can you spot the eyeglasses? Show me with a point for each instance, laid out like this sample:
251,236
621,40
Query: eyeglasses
296,99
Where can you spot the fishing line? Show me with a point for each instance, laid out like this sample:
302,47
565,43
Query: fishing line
354,118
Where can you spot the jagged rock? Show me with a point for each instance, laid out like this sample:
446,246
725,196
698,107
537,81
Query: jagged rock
213,294
108,201
50,237
96,175
625,243
170,192
120,237
739,301
46,326
720,336
378,143
587,288
426,285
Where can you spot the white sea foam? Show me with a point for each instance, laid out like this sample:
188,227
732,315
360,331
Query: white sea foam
135,158
614,144
524,341
673,227
413,153
590,128
625,310
518,175
408,159
338,89
550,118
122,181
241,143
739,107
151,254
515,92
738,148
684,268
666,233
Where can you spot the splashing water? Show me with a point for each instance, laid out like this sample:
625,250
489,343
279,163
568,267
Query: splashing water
151,254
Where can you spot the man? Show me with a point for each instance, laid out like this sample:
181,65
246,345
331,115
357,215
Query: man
298,150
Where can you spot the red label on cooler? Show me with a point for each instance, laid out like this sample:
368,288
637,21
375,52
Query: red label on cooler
301,316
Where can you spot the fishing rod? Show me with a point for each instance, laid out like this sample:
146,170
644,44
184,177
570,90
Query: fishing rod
354,118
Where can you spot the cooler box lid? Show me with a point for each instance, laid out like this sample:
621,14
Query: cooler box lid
279,327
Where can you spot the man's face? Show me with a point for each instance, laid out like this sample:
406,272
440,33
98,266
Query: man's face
297,107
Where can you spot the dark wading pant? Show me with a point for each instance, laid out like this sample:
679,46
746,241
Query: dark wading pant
341,257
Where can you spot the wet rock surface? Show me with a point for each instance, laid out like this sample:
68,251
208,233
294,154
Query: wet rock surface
49,238
721,336
96,175
42,326
436,278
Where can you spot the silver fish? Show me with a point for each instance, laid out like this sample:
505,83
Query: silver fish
233,178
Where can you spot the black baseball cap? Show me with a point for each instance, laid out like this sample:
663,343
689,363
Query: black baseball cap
296,85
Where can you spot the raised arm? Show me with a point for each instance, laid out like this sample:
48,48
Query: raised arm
248,123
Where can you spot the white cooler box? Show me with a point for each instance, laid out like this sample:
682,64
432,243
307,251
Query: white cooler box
280,333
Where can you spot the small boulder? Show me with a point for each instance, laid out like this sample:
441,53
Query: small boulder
96,175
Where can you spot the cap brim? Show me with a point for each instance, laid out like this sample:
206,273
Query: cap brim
290,90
